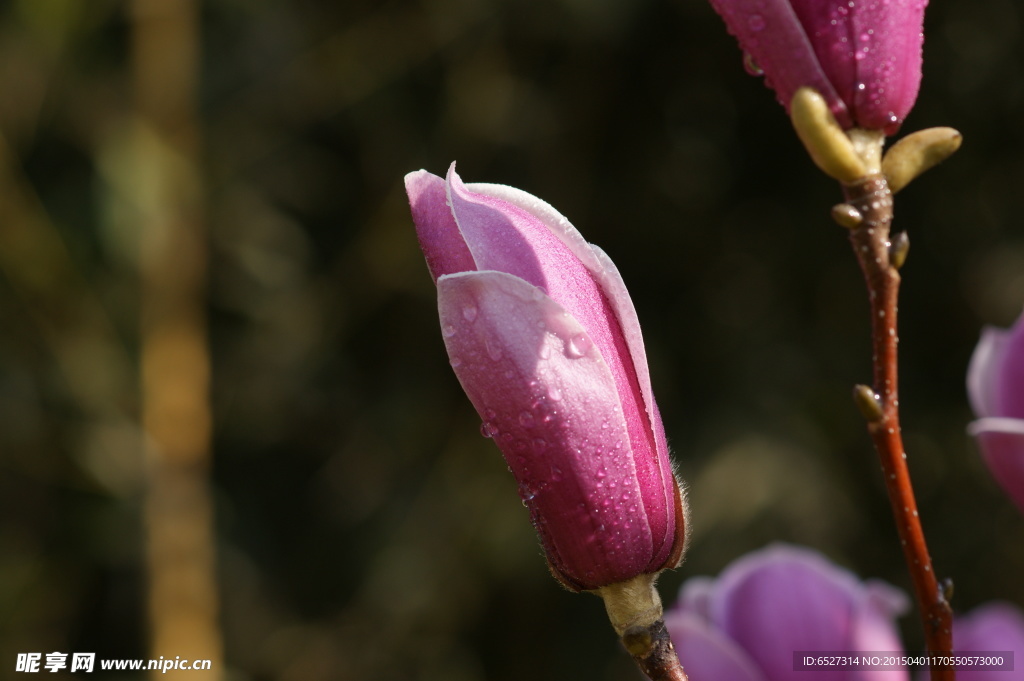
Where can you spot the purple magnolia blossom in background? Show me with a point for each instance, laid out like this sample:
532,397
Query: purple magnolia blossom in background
994,627
863,56
746,625
995,385
546,343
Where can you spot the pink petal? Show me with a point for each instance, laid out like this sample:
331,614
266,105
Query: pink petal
552,405
1010,395
889,38
983,372
511,231
871,53
655,472
771,33
445,250
1001,441
994,627
785,599
707,655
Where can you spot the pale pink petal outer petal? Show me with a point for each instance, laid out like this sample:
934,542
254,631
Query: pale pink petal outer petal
552,406
442,244
984,371
1001,441
771,33
785,599
705,653
512,231
1010,393
987,629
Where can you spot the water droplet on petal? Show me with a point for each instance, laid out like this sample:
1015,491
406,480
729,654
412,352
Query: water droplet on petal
469,312
556,474
526,419
539,444
750,66
487,430
448,331
577,346
455,362
555,394
756,22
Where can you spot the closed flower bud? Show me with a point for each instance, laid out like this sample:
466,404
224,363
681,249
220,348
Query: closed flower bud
545,341
863,57
995,385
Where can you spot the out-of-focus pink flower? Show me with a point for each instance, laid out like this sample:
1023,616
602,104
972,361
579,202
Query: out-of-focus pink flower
863,56
747,624
995,386
546,343
991,628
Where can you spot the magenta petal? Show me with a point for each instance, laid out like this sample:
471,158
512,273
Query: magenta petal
994,627
443,246
1010,395
551,403
771,33
786,599
864,57
706,654
889,38
620,339
511,231
1002,447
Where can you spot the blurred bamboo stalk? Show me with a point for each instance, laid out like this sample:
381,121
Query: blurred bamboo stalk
175,362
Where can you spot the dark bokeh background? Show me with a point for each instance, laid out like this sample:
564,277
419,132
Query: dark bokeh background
365,530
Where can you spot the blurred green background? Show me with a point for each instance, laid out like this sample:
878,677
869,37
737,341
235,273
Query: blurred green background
364,529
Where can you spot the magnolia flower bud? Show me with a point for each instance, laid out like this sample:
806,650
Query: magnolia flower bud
864,57
545,341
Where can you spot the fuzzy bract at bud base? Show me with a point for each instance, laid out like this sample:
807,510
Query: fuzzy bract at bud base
545,341
863,56
995,386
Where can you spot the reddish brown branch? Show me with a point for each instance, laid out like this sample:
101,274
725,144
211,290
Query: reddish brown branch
653,651
880,261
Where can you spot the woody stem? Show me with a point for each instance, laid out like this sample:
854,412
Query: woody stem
880,258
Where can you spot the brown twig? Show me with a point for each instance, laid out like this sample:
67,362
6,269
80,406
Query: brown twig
653,651
880,258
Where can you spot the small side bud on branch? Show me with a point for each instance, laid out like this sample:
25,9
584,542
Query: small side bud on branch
916,153
899,246
847,216
868,403
829,147
947,589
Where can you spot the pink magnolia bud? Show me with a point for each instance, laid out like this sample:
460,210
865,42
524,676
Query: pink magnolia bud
863,56
546,343
995,385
